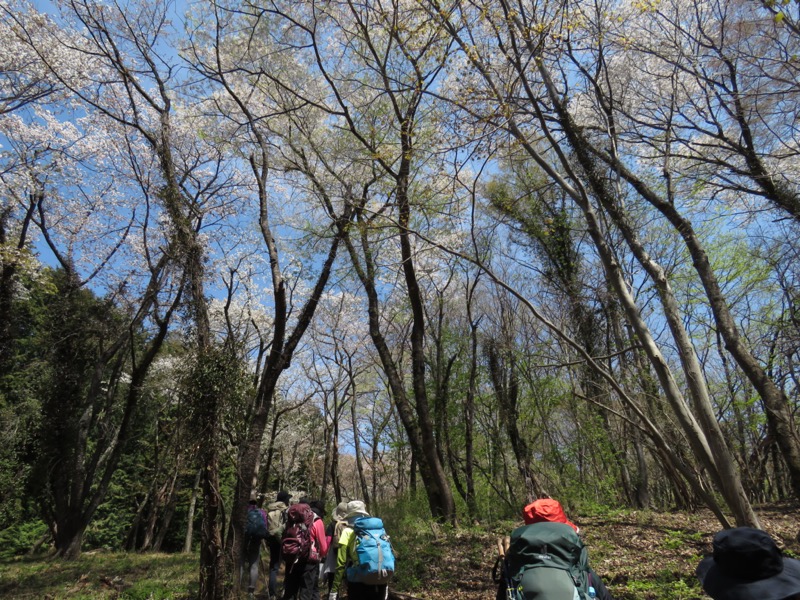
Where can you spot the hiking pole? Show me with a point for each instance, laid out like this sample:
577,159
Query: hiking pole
502,548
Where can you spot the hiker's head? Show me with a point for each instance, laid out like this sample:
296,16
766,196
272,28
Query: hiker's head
283,496
318,506
354,510
545,509
747,564
340,512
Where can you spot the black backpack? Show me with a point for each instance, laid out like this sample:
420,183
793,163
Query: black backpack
547,561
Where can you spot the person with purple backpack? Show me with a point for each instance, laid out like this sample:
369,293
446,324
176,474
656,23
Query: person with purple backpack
303,547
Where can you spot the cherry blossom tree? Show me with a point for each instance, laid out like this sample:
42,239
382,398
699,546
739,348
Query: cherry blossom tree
88,226
128,77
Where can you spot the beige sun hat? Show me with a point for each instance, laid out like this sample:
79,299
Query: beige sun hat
355,509
340,512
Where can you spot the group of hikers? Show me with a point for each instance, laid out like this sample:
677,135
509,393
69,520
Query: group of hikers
353,548
545,559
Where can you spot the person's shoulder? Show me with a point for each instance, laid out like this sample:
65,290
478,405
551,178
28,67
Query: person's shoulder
349,538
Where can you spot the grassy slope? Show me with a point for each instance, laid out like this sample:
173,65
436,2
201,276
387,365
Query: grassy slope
99,575
641,556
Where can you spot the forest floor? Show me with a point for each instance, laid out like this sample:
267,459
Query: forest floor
641,555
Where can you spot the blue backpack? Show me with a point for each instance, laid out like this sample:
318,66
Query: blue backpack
256,526
374,551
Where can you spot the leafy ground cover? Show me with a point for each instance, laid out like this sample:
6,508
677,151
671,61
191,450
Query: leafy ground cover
642,555
101,575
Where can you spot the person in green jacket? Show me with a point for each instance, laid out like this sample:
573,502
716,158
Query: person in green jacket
346,556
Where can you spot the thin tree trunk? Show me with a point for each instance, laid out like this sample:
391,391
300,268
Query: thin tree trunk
418,426
712,452
726,475
169,510
525,47
187,543
505,381
362,480
469,412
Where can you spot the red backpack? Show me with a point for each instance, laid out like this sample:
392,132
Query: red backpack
297,544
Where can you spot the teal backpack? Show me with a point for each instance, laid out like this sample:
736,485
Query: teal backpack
547,561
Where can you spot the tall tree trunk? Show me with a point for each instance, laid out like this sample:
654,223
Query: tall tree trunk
423,447
526,44
707,440
279,358
776,404
437,485
726,474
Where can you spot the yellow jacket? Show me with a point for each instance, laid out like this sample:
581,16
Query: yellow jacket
346,555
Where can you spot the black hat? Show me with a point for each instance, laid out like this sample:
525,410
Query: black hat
747,565
283,496
318,507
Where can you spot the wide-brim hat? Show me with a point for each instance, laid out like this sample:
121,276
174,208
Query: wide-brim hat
746,564
546,509
355,509
340,512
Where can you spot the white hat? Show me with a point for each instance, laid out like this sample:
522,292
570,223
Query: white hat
340,512
355,509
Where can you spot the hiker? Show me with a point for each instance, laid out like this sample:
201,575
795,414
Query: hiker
333,533
319,509
546,559
747,564
255,533
303,547
364,558
276,517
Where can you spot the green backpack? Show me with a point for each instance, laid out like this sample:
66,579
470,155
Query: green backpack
547,561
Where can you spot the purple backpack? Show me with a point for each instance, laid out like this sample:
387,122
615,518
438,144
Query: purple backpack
297,544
